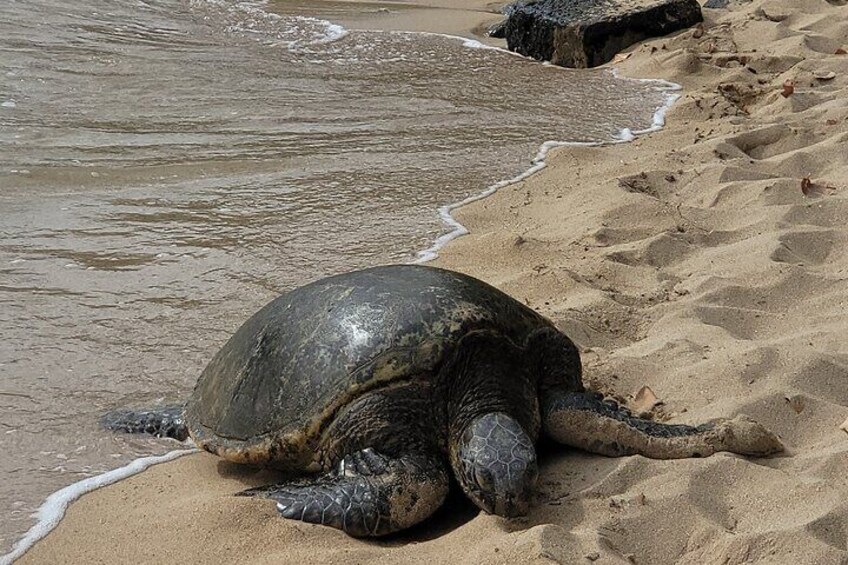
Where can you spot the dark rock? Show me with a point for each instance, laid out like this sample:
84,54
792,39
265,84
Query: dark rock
588,33
497,30
716,4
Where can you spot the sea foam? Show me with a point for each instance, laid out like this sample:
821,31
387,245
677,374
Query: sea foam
625,135
252,19
51,512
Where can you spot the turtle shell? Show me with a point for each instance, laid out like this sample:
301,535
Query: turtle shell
311,350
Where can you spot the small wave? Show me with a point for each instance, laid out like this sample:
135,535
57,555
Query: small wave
331,32
538,163
252,19
53,509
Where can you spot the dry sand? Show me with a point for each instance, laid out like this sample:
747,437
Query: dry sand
696,261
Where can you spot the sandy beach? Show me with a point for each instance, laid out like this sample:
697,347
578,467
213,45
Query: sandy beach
706,261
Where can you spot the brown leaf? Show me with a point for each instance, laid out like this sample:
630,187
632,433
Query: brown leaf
840,51
796,403
810,188
806,186
824,75
788,88
620,58
831,122
645,400
844,426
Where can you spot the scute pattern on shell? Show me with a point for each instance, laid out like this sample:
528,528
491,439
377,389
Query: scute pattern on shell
310,351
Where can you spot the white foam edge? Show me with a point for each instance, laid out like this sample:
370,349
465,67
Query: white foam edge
625,135
332,32
51,512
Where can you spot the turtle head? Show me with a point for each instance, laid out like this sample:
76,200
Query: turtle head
495,463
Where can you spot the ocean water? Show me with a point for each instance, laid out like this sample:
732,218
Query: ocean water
168,166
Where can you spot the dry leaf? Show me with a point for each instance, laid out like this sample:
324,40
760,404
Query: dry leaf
645,400
621,57
831,122
806,186
844,426
824,75
796,403
840,51
788,88
810,188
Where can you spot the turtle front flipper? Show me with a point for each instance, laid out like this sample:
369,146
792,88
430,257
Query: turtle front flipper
368,494
587,421
167,421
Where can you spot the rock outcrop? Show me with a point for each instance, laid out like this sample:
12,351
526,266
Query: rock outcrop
588,33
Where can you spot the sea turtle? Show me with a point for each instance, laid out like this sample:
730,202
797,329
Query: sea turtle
387,381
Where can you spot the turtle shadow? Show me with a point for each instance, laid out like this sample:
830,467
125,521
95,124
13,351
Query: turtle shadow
252,476
458,510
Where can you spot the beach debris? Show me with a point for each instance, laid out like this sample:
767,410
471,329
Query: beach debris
594,556
641,499
645,400
844,426
498,30
824,75
620,58
772,16
795,402
806,186
638,183
840,51
809,188
788,88
698,33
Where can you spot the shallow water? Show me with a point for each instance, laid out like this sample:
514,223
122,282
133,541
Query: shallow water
167,167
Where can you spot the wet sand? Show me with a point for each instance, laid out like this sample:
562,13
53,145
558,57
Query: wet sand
466,18
706,261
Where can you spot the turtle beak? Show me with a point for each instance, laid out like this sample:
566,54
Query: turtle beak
510,497
512,507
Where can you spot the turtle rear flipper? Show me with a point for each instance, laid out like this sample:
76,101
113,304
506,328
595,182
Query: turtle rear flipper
167,421
368,494
587,421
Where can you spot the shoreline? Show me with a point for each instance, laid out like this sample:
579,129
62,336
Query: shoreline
52,511
516,237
